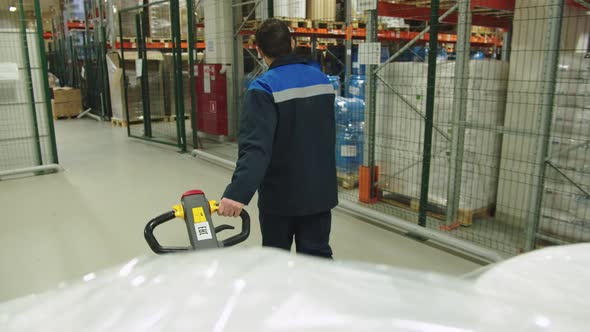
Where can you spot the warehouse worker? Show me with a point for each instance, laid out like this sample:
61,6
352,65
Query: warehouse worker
287,149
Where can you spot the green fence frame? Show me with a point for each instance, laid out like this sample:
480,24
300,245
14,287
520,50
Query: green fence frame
177,72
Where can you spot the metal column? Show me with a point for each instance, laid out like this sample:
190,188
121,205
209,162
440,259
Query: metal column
371,101
460,95
506,45
552,46
314,47
429,121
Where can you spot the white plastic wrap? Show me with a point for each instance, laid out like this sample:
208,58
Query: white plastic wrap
557,276
565,225
399,136
283,8
393,22
266,290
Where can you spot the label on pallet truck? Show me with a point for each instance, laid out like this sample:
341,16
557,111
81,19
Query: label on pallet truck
203,231
199,215
201,225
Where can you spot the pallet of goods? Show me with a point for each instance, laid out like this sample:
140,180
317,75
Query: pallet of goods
400,130
66,103
155,72
566,206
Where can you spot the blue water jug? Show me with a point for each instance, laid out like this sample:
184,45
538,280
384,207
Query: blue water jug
335,80
349,147
356,87
349,110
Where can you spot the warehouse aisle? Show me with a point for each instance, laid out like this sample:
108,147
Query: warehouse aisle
61,226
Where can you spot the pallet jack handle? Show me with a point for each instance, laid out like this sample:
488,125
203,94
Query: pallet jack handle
151,239
171,215
240,237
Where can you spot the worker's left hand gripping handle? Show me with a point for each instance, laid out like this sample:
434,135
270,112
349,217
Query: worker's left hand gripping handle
151,239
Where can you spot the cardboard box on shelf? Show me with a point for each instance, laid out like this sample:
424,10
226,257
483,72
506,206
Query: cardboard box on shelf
66,102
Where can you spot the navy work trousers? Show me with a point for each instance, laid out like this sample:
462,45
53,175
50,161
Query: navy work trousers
311,233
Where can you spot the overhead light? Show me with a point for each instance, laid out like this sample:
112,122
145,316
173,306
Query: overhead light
12,8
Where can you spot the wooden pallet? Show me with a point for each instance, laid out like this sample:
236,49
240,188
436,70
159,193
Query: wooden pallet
330,25
295,22
64,117
127,39
384,27
158,40
465,217
359,24
119,123
348,180
252,24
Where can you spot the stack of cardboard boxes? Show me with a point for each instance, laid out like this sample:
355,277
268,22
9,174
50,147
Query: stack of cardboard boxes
67,102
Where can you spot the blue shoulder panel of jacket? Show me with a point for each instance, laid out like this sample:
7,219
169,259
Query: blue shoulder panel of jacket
293,81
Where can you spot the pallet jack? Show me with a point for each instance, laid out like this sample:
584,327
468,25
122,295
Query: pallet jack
196,212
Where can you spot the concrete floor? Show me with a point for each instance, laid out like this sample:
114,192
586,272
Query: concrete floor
91,216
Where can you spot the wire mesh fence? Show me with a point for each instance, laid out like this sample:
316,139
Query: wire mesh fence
151,73
483,138
26,124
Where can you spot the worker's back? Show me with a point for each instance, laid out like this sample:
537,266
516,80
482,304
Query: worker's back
301,177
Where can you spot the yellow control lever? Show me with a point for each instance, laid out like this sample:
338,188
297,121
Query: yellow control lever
214,206
178,211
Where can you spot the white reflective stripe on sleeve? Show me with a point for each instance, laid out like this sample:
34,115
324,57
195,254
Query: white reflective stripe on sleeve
306,92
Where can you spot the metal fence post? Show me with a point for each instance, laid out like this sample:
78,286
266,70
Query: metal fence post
46,93
429,121
553,41
177,54
460,96
348,43
371,101
104,74
144,79
125,94
271,8
25,46
190,8
237,61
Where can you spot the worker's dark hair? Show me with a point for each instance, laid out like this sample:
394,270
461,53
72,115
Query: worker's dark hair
274,38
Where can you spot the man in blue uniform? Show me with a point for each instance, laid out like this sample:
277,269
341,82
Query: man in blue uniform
287,149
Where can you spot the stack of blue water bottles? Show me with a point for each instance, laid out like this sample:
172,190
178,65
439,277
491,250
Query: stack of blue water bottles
350,122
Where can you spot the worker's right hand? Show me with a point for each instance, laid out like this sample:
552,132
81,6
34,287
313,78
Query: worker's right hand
229,208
